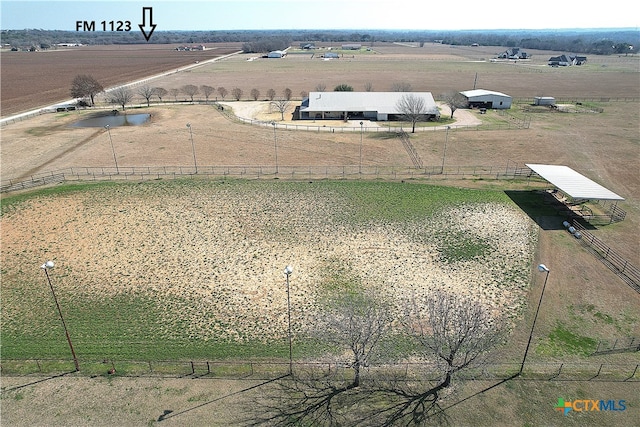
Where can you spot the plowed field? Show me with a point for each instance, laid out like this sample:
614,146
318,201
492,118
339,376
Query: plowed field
33,79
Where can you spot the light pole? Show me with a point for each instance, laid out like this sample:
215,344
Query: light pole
360,167
46,266
115,159
544,269
444,154
275,144
193,147
287,272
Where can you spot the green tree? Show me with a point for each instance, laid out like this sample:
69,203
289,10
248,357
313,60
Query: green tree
343,88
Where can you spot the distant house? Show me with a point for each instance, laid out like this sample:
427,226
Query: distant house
351,46
566,60
361,105
330,55
579,60
480,98
514,53
277,54
561,61
307,46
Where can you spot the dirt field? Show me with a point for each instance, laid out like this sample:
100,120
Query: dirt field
434,68
34,79
580,293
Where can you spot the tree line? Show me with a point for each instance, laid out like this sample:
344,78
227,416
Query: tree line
588,41
86,87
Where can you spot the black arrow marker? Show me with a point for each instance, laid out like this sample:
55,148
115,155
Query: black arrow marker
147,11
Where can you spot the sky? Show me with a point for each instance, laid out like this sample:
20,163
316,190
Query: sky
319,14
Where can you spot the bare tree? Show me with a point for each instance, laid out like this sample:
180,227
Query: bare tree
85,86
146,92
255,94
454,100
450,333
355,322
222,92
401,87
160,92
287,94
321,87
413,109
455,331
271,94
368,87
121,96
280,105
207,91
174,92
236,92
304,94
190,91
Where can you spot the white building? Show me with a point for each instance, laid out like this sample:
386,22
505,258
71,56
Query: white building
361,105
277,54
480,98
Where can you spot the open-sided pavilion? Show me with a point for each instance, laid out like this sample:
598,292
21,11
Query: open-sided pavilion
574,190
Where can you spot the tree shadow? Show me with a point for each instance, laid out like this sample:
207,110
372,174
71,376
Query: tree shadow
305,399
331,401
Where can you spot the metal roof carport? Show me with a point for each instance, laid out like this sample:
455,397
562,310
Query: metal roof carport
572,183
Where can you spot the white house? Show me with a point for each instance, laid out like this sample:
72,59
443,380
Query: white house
361,105
480,98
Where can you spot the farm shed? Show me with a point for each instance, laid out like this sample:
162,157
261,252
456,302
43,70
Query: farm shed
544,100
480,98
360,105
277,54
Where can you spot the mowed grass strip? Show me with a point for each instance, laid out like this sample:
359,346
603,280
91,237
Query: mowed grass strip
182,270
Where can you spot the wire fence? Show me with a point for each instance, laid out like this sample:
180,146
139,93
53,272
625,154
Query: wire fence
265,370
355,172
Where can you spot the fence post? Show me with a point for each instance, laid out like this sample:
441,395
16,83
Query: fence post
633,374
193,369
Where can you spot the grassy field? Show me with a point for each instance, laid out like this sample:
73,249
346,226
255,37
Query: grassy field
191,270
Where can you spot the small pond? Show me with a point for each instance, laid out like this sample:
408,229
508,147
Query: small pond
113,121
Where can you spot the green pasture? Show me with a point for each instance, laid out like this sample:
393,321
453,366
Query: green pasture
131,325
